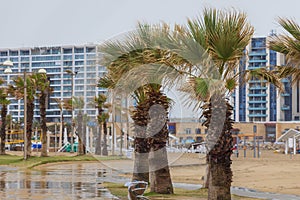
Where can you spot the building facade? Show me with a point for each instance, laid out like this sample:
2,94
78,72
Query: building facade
82,60
257,100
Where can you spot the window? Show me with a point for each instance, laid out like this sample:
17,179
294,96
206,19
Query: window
79,63
188,131
3,53
13,53
24,52
90,49
198,131
91,62
67,51
79,50
79,57
68,57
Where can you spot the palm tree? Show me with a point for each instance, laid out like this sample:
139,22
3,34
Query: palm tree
4,102
207,51
100,104
43,86
119,65
17,90
288,44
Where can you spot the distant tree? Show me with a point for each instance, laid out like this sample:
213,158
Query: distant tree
4,102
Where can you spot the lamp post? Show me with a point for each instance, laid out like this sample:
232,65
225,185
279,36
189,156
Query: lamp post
254,141
72,115
8,70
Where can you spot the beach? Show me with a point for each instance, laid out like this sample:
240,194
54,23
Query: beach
272,172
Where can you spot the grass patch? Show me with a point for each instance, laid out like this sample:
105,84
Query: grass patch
9,159
33,161
120,191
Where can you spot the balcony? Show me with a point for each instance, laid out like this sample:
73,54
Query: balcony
285,80
257,115
257,95
285,94
257,61
258,88
257,81
257,53
258,101
257,108
285,107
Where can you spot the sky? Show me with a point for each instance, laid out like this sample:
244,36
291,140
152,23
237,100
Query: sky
39,23
62,22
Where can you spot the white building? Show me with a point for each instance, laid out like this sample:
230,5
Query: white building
82,60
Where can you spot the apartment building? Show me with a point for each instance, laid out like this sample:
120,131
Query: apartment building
81,60
260,101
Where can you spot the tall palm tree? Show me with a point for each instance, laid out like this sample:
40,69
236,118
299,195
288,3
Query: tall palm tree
4,102
17,90
43,86
288,44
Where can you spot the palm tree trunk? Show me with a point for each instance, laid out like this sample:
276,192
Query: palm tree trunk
60,141
104,150
141,143
42,102
30,109
79,132
219,143
98,141
141,162
158,133
83,135
3,128
160,178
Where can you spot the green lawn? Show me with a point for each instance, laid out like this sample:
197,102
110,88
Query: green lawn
17,161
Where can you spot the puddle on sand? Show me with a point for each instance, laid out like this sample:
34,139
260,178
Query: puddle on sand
59,182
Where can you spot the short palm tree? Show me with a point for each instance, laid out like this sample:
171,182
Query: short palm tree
288,44
4,102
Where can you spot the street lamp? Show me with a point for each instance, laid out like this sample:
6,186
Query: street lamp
72,95
8,70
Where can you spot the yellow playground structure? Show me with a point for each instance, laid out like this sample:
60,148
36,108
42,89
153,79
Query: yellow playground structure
14,137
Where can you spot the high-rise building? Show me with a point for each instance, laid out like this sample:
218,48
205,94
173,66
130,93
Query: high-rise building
81,60
259,100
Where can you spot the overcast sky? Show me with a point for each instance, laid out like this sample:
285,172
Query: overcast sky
30,23
56,22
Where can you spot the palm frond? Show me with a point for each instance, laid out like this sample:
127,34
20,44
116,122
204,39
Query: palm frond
264,74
